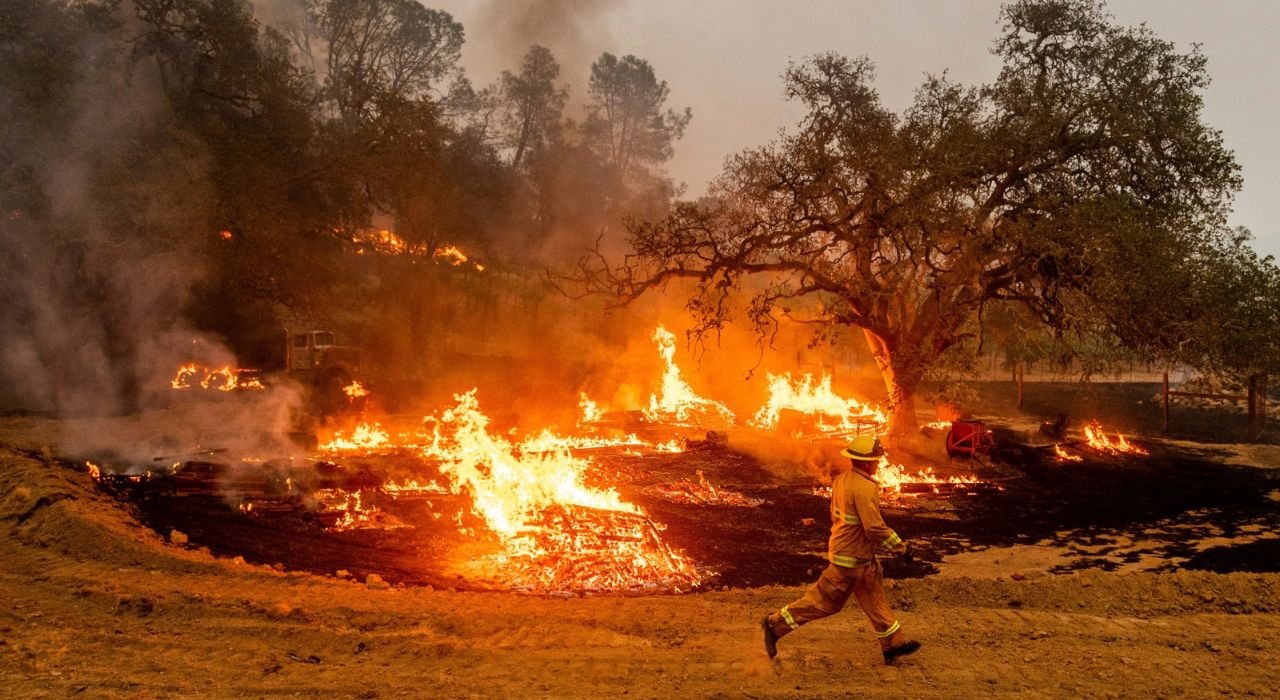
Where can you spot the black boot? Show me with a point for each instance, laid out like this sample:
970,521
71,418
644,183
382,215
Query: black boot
901,650
770,638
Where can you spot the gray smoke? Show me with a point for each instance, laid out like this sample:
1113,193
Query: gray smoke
574,30
103,211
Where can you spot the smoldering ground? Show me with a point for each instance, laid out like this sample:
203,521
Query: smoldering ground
105,208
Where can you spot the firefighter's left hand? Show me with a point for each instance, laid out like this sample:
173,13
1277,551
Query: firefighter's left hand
908,554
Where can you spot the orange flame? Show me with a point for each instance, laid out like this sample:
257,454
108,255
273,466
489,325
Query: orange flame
221,379
892,477
590,410
1064,456
355,390
547,441
353,512
1098,440
451,254
363,437
185,377
810,397
547,520
412,487
676,400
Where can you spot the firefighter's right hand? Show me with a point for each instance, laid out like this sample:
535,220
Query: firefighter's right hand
908,555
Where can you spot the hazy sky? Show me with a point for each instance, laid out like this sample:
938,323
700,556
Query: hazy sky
724,59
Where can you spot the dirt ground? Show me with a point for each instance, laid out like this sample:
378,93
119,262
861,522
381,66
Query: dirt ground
97,605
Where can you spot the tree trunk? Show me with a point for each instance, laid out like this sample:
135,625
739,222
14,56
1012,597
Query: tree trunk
901,377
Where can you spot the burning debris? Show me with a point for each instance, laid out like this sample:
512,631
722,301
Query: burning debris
351,510
517,511
591,412
832,415
384,242
1098,440
455,257
1064,456
413,487
575,547
554,531
895,482
702,493
363,438
224,378
675,402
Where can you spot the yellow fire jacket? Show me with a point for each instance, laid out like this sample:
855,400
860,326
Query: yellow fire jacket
857,528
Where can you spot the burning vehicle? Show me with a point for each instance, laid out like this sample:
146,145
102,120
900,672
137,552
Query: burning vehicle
313,359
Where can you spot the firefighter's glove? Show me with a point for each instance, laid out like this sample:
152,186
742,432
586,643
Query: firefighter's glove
908,554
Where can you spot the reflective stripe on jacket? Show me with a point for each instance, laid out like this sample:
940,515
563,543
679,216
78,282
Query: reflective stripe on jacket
857,528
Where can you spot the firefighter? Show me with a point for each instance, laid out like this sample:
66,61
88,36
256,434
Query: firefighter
857,532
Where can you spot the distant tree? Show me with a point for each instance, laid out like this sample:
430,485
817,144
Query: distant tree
380,48
626,122
1071,185
1227,318
532,105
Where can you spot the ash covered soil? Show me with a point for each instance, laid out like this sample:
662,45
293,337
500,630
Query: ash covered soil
1076,580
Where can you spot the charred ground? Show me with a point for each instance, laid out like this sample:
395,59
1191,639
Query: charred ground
1185,506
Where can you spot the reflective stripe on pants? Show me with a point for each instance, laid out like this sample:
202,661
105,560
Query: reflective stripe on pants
830,593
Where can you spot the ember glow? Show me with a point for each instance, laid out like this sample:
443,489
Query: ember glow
1097,439
556,533
365,437
547,441
412,487
187,376
355,390
353,512
384,242
896,482
1064,456
590,410
450,254
894,477
222,378
702,493
676,401
833,415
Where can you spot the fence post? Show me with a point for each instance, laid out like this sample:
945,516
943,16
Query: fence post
1166,401
1257,405
1017,375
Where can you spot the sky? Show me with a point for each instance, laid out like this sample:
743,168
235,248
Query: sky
724,59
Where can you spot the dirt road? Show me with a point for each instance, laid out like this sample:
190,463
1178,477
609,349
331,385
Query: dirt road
98,606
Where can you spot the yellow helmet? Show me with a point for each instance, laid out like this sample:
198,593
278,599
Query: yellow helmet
866,448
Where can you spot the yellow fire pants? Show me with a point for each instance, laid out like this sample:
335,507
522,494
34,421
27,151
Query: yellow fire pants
830,593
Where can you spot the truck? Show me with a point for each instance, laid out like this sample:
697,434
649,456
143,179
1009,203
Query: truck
316,359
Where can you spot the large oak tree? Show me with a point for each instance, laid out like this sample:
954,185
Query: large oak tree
1070,184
